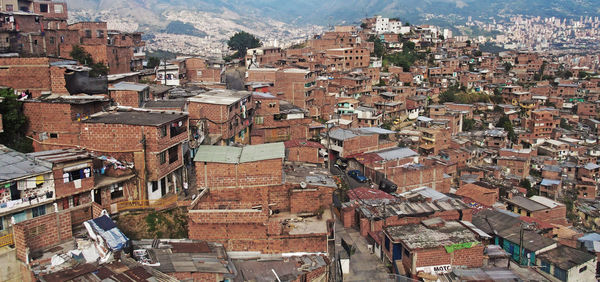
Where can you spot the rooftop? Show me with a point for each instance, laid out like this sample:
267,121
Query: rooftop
161,104
128,86
62,155
135,118
287,268
566,257
16,165
440,234
526,203
72,99
235,155
308,173
182,255
220,97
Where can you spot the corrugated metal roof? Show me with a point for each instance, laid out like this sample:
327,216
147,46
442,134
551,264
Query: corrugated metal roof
527,204
233,155
128,86
17,165
218,154
262,152
397,153
375,130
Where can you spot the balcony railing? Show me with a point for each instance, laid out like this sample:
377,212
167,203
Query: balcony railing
6,240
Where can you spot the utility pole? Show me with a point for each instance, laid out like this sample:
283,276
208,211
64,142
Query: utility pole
165,70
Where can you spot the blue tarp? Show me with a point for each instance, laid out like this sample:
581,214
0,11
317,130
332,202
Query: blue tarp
115,239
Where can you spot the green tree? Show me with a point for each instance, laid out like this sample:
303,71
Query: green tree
505,123
379,49
153,62
364,25
564,123
468,124
14,122
527,185
242,41
408,46
507,67
85,58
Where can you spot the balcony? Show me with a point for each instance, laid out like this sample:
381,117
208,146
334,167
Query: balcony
428,138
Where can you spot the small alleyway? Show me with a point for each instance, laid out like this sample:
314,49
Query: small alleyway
364,266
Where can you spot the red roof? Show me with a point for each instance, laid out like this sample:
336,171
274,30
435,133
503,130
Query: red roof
364,193
303,143
365,158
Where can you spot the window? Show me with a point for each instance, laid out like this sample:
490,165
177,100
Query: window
162,157
88,33
99,33
154,186
163,131
51,40
76,174
9,8
583,269
173,154
177,128
43,8
116,191
58,8
259,120
38,211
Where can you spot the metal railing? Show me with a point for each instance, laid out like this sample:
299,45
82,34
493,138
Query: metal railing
160,204
6,240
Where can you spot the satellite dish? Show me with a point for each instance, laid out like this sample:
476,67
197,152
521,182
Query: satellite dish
303,185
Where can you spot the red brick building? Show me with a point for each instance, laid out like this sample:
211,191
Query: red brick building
149,142
55,123
129,94
485,196
230,167
277,120
432,247
539,208
246,205
227,115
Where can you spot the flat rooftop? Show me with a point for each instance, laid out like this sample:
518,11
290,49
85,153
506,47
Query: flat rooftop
220,97
234,155
135,118
182,255
419,236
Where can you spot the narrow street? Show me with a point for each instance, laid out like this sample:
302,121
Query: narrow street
364,266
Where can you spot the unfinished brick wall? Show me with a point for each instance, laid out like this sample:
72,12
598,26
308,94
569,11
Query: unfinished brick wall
472,257
556,215
57,78
431,176
119,59
52,120
126,98
310,199
41,232
261,75
22,74
305,155
214,175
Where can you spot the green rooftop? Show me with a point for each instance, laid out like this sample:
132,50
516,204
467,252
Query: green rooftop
234,155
